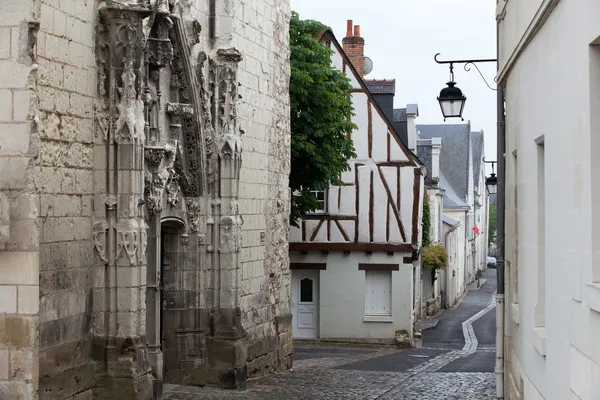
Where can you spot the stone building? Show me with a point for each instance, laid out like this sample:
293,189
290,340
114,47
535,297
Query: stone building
144,161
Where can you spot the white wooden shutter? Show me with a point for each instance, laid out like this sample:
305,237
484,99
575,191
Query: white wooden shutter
378,293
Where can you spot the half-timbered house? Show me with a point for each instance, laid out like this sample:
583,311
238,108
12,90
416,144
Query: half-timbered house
355,260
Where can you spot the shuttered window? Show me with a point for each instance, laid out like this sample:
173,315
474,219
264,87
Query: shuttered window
378,292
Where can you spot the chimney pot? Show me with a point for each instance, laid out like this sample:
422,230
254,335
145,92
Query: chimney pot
357,31
349,28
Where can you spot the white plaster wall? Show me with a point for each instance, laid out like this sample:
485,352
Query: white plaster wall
518,16
459,215
342,300
451,284
560,49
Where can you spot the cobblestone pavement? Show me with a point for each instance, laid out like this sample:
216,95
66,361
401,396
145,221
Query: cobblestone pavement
445,368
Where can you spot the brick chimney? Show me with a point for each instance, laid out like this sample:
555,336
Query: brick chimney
354,47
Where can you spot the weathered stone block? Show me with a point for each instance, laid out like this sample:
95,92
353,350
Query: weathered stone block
283,323
64,356
19,268
28,299
8,299
14,138
4,364
23,364
16,390
5,100
64,384
18,332
4,42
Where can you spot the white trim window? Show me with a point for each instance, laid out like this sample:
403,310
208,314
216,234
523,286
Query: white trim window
322,198
378,295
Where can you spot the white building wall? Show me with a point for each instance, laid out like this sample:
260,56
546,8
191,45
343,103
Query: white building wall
342,296
560,358
451,276
461,273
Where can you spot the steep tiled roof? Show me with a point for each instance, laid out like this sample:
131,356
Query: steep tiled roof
477,151
381,86
400,115
451,198
450,221
454,157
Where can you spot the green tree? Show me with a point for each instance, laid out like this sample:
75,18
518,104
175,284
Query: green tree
321,108
426,234
492,232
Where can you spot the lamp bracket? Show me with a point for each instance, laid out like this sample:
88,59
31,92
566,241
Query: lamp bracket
490,162
467,66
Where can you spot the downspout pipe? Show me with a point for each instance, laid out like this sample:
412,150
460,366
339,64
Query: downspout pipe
501,151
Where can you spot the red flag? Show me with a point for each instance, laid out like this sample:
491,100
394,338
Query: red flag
476,230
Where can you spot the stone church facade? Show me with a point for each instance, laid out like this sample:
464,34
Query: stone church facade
144,203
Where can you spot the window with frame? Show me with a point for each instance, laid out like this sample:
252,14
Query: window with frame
322,199
378,293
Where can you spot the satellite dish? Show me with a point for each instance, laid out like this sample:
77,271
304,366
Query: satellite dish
368,65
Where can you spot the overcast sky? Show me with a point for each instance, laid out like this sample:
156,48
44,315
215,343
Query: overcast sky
402,36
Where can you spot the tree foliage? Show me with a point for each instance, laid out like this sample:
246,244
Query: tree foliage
435,256
321,108
492,226
426,234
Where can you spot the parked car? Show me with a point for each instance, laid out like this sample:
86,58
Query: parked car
491,262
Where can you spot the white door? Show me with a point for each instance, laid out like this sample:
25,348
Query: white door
305,303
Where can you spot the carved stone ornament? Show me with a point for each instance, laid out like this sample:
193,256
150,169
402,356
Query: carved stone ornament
154,156
160,48
230,233
230,55
231,145
130,123
173,189
99,236
185,239
193,212
142,253
128,240
227,239
153,192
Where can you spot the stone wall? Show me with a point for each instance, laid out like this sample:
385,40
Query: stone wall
19,204
53,169
261,31
66,87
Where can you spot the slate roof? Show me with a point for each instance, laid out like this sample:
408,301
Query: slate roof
400,115
451,198
454,157
477,151
450,221
424,154
399,124
381,86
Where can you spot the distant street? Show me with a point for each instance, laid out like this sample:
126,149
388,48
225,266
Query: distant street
455,362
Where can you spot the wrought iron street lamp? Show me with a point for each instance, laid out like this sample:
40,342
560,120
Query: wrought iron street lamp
452,101
451,98
491,182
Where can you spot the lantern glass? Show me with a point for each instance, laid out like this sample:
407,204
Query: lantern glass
452,101
491,184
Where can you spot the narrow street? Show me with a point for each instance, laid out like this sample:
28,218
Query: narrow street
456,361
